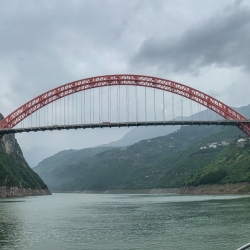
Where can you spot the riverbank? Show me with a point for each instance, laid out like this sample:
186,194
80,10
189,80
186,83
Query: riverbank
6,192
231,188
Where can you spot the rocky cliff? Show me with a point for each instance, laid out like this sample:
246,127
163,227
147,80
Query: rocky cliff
16,177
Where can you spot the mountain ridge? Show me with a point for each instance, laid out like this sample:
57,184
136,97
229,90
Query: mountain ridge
121,160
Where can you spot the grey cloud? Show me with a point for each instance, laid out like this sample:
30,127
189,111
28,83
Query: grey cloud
222,41
44,42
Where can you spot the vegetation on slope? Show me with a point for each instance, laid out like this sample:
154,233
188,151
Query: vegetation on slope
142,165
232,165
187,162
14,170
15,173
174,160
67,157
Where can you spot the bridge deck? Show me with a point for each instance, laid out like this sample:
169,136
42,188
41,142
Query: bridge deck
121,124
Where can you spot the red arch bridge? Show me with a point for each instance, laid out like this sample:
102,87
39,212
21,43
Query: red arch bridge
119,101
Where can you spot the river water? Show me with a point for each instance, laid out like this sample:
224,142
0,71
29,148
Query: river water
120,221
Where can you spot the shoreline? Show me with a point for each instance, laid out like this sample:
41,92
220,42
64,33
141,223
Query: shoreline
230,188
14,192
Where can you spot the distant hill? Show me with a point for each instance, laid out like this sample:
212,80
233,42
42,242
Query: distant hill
231,165
167,161
36,154
57,162
174,160
194,159
142,133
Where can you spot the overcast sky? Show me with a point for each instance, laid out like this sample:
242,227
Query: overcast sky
44,44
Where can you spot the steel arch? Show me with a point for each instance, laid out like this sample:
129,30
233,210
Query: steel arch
123,79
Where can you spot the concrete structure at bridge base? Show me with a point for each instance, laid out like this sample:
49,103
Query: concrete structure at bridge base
6,192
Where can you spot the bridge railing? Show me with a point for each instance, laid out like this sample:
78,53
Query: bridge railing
121,124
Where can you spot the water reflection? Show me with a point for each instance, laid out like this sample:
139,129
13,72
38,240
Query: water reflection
10,223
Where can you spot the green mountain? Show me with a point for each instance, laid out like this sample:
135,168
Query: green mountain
15,173
50,168
37,153
231,165
194,159
143,133
167,161
172,160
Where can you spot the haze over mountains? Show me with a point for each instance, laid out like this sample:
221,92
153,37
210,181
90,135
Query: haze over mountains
142,133
37,154
173,160
93,168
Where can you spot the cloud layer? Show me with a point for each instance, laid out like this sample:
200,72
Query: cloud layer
222,40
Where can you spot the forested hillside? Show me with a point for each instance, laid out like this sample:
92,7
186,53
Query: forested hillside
14,170
231,165
167,161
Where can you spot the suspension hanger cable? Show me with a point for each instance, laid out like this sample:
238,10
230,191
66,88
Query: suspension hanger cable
127,103
73,106
28,120
93,105
84,108
117,112
36,118
90,105
181,108
136,103
101,106
81,106
44,114
145,90
110,102
119,102
76,105
39,117
52,113
60,113
99,93
173,105
64,109
154,105
47,118
55,110
191,111
68,109
198,105
119,97
163,105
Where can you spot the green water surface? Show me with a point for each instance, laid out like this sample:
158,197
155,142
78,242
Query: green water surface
120,221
